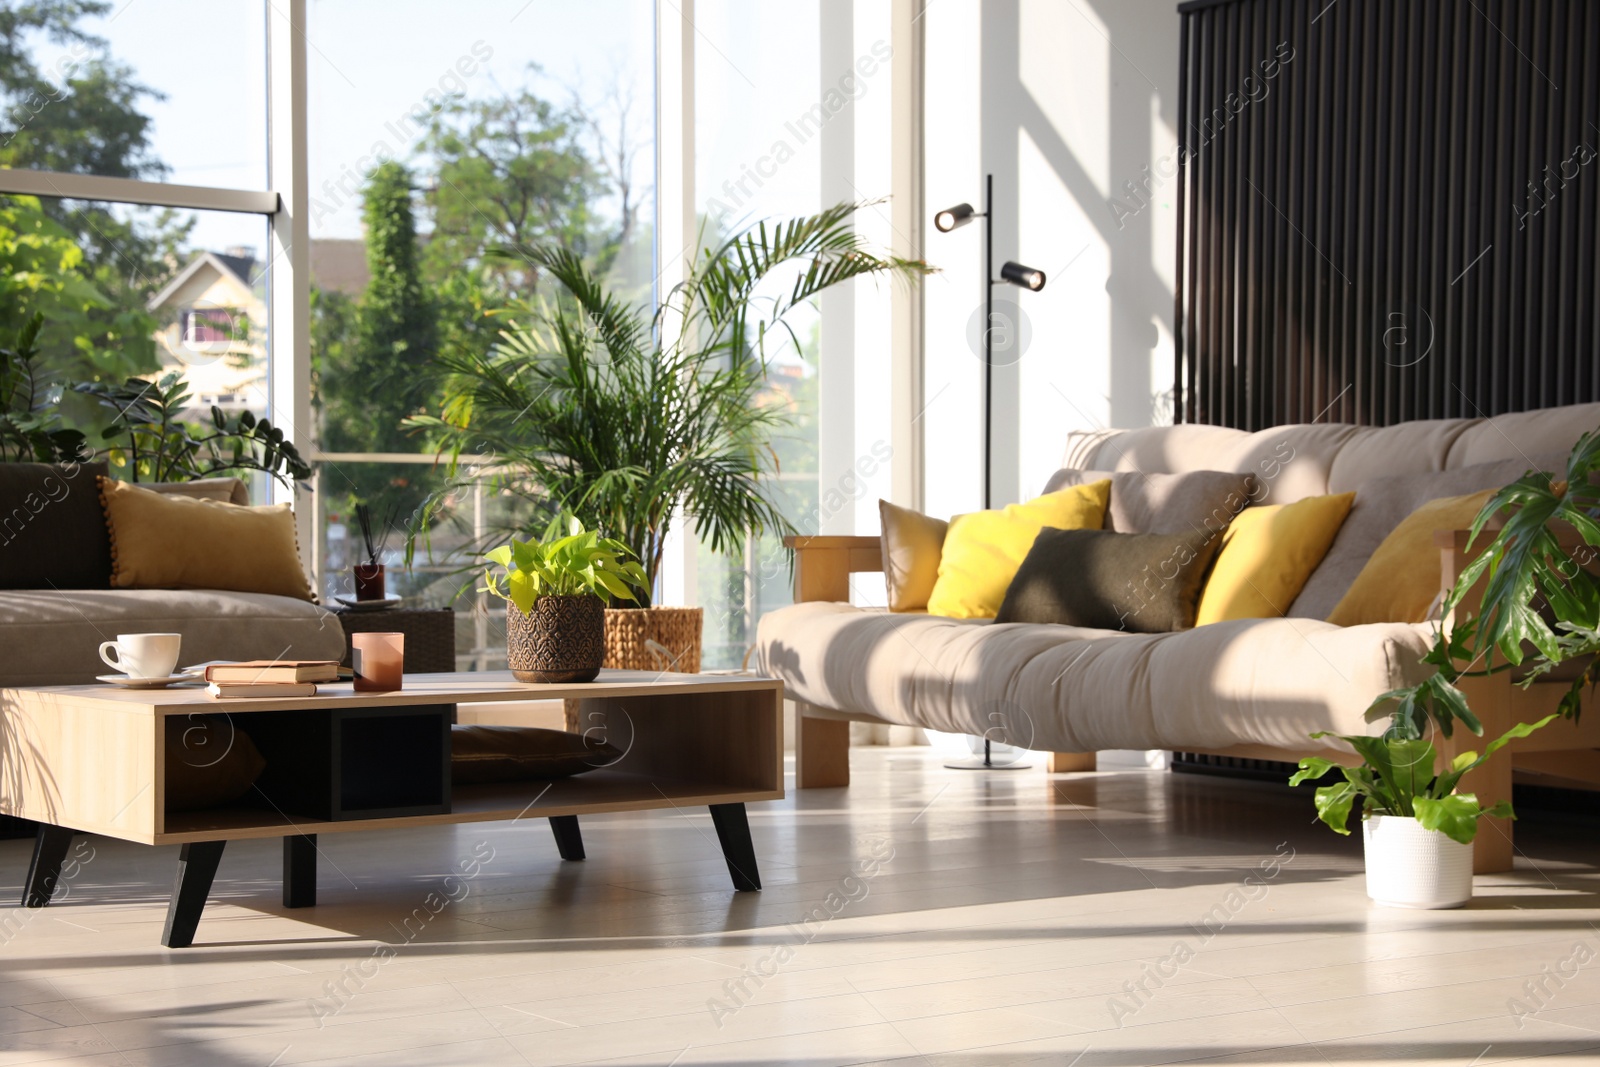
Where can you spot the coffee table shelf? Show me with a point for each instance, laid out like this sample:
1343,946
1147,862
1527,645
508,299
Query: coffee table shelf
592,793
92,759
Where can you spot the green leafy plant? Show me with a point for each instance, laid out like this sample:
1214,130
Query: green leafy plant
1540,607
1397,778
30,427
578,562
154,442
628,417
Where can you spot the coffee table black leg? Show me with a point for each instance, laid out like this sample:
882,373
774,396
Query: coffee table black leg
300,871
569,839
44,870
733,830
197,866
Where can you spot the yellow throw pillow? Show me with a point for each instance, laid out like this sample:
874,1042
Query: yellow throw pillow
1401,579
1267,555
912,545
983,550
168,541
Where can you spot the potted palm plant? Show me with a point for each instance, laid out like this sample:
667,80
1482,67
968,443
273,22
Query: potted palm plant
631,417
553,587
1539,608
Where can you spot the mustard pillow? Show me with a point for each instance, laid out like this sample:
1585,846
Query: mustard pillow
912,545
1267,555
166,541
1400,581
983,550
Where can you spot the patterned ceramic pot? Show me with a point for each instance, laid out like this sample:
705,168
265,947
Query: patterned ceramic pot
562,640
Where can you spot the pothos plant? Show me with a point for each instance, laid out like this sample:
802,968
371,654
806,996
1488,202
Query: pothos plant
577,562
1540,608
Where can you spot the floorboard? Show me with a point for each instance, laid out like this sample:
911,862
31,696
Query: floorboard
923,916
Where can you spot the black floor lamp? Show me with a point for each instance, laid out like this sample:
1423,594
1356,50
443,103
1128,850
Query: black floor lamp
1011,273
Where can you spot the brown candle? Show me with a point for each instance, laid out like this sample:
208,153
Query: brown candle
379,661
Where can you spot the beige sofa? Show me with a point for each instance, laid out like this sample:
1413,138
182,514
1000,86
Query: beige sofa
1253,688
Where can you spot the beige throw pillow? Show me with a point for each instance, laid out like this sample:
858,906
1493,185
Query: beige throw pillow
169,541
912,543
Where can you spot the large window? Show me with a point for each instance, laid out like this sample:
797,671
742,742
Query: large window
507,125
288,210
163,90
793,114
134,220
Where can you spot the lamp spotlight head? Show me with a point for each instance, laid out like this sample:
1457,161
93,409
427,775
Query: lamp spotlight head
953,218
1022,277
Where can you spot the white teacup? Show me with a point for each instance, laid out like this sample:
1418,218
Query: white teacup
143,655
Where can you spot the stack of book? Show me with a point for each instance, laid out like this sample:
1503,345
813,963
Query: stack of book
269,678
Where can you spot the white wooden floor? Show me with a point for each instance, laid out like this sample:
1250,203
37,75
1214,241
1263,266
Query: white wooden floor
924,916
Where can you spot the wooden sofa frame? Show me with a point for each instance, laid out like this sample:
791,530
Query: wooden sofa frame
1563,752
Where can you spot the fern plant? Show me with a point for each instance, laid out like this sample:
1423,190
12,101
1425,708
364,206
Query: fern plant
627,416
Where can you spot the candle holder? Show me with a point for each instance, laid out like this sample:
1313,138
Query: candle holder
379,661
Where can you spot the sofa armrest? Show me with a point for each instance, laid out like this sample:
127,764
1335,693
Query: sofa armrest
823,565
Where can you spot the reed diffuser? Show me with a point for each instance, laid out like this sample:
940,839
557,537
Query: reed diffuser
369,575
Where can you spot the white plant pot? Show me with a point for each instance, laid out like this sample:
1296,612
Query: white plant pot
1410,867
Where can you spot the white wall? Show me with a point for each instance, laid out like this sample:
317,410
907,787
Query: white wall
1064,102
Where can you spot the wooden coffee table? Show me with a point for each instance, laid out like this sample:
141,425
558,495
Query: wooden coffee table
92,759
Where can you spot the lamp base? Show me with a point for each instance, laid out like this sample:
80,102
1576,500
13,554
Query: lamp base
987,763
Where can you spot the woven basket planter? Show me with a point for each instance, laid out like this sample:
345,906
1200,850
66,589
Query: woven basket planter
562,640
654,639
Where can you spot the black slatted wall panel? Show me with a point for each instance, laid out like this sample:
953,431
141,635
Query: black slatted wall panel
1387,209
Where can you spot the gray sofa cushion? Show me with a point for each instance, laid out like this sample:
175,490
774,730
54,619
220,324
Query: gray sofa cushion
1381,504
51,637
1166,503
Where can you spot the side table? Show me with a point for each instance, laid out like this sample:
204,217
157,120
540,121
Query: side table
430,635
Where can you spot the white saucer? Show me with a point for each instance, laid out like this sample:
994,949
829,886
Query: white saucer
368,605
144,683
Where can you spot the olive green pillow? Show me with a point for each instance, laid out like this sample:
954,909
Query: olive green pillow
1140,583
